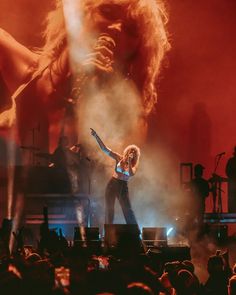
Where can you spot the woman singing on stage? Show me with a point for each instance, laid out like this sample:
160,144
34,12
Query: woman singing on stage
117,187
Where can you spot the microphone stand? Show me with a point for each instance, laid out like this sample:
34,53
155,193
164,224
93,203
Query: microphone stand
216,186
217,160
32,155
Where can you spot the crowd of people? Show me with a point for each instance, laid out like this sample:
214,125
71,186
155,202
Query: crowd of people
58,267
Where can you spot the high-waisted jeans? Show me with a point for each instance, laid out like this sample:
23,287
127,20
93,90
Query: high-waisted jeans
117,188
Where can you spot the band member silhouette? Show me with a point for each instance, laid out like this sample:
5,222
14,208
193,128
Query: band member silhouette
230,171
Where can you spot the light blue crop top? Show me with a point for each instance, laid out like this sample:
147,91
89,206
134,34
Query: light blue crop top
121,173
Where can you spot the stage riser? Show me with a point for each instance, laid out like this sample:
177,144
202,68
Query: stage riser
62,208
224,218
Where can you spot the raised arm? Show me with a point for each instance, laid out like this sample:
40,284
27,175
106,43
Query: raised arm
103,147
16,61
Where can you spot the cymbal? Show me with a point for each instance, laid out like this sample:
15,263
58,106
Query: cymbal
215,177
29,147
43,155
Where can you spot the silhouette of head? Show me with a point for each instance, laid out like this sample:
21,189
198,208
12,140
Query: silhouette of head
215,264
198,170
232,285
234,153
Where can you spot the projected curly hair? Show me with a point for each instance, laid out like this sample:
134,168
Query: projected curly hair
151,18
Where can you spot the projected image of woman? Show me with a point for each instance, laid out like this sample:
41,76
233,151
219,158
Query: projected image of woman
122,37
126,167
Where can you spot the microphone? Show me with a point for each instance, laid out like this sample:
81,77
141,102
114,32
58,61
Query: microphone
221,154
103,52
131,156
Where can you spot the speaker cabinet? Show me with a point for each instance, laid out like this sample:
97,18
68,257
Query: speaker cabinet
83,233
155,236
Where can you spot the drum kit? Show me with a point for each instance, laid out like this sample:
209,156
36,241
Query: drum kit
77,163
36,153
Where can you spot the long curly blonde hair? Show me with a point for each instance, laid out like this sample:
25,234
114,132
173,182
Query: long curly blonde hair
137,153
151,18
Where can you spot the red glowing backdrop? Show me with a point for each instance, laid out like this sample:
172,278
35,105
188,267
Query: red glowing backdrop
196,112
194,119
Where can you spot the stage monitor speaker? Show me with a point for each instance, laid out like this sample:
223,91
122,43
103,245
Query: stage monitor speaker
155,236
88,239
83,233
125,238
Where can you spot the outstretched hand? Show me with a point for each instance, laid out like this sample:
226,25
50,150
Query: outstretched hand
93,132
102,57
